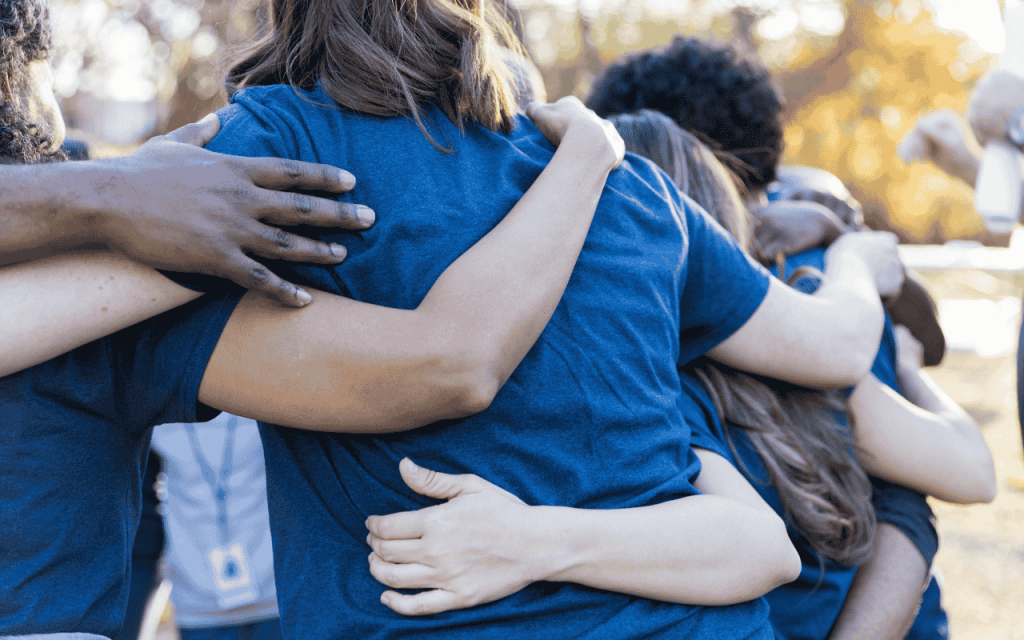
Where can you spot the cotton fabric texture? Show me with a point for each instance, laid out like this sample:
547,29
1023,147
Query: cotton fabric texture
590,418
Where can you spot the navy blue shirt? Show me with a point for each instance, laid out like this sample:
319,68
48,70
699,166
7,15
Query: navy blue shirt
808,607
897,505
74,436
591,417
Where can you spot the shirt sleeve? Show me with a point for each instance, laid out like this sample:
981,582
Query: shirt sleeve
723,286
908,511
159,364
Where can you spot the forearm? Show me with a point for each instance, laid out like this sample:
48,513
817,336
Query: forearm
495,300
702,550
886,592
824,340
51,306
939,454
340,365
849,295
46,208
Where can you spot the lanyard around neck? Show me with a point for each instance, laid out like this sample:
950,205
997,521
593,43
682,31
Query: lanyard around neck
218,481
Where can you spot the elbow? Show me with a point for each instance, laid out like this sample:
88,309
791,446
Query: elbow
476,395
787,560
473,385
856,353
975,483
856,364
858,349
780,562
979,487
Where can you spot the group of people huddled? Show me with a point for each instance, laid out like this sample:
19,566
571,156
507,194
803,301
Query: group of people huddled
602,370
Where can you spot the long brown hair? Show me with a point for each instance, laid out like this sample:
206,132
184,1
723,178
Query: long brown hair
808,453
389,57
798,433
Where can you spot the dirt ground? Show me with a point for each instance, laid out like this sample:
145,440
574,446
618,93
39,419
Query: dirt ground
981,554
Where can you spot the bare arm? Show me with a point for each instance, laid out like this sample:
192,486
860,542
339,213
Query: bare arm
341,365
924,441
886,591
370,368
830,338
485,544
173,205
49,307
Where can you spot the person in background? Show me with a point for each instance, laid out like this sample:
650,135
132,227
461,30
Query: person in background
218,556
995,112
729,100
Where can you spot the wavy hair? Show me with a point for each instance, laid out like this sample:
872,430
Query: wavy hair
799,434
803,440
389,57
25,37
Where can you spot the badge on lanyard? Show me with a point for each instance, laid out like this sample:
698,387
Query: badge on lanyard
229,564
232,577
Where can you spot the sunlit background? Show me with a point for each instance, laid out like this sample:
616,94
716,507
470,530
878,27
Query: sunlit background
855,74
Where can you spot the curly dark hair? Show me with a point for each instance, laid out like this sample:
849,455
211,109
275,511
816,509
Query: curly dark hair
24,38
724,97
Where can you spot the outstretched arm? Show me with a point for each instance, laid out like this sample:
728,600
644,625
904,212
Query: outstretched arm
173,205
830,338
924,441
484,544
341,365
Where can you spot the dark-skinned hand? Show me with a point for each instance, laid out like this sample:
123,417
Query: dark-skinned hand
174,205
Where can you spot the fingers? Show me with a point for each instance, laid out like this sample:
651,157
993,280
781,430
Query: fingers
421,604
397,526
434,484
278,244
291,175
289,209
401,576
245,271
197,134
396,551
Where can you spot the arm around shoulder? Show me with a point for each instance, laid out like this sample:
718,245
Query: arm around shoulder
345,366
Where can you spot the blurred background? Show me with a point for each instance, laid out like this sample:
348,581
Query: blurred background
855,74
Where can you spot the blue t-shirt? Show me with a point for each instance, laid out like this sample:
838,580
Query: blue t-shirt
589,419
808,607
74,437
897,505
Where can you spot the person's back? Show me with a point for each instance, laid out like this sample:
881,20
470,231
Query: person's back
589,419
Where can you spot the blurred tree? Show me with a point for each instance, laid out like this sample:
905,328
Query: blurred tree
855,73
